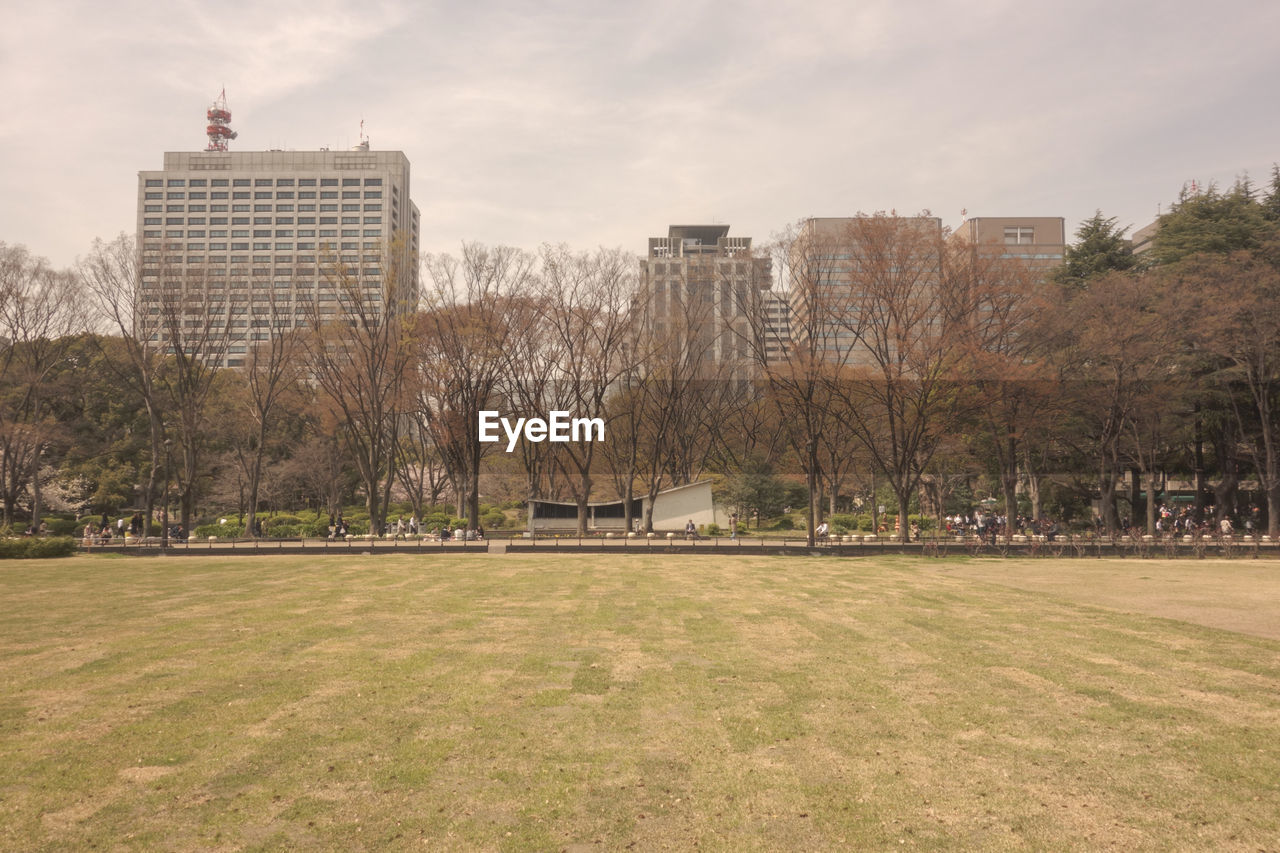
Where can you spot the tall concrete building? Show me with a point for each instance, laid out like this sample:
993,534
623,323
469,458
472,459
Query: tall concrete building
1039,241
258,237
701,297
840,271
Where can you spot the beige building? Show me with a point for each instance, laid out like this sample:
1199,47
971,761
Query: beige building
256,236
831,263
700,290
1037,240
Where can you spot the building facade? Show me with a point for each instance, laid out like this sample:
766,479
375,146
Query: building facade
699,300
1038,241
251,242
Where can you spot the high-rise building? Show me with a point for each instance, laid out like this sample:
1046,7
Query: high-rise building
842,273
259,237
700,297
1038,241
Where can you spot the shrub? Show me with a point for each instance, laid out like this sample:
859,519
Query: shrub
713,529
37,547
493,519
270,525
784,523
64,526
230,530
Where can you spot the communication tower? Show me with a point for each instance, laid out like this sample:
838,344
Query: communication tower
219,129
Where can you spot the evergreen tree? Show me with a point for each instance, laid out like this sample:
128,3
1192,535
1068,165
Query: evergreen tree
1100,248
1210,222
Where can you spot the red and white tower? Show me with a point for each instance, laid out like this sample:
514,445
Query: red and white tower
219,129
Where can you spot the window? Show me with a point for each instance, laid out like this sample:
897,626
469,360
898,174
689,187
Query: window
152,208
348,208
262,220
217,195
262,232
218,208
197,195
284,220
262,182
328,182
262,247
240,182
329,194
218,182
284,208
239,247
174,220
284,195
239,220
351,182
374,208
216,247
177,182
240,208
174,208
262,195
306,232
150,233
373,182
217,232
240,232
307,194
1019,235
154,182
196,208
152,195
284,182
240,194
373,194
259,208
151,220
306,207
373,232
306,220
328,207
328,220
284,232
172,233
351,194
306,182
351,220
373,220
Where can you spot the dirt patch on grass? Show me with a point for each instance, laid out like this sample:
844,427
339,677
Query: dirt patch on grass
1232,595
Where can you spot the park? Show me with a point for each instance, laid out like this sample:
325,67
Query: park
562,701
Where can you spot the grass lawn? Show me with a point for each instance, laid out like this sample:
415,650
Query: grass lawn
569,703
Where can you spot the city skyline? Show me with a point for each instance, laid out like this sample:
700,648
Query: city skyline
592,126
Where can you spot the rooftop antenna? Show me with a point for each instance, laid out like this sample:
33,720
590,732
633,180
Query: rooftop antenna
219,129
364,140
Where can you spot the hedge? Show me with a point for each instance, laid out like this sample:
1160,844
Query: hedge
36,547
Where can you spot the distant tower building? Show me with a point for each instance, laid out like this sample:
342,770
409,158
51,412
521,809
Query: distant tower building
700,290
256,236
219,129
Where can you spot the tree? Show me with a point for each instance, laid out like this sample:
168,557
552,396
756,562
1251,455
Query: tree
901,386
39,313
474,313
583,307
1210,221
359,354
117,275
1241,325
1100,247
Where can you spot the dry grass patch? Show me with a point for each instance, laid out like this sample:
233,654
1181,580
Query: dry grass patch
545,702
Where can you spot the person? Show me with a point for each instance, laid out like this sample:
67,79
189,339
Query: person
400,527
88,533
691,530
733,526
822,530
480,532
1225,526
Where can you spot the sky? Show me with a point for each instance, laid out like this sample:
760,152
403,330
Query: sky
602,123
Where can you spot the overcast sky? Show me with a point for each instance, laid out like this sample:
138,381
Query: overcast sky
601,123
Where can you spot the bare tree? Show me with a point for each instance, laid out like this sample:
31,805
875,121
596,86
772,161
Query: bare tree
359,355
39,313
474,312
117,276
583,308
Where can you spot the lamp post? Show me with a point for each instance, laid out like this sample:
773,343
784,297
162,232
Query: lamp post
164,526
